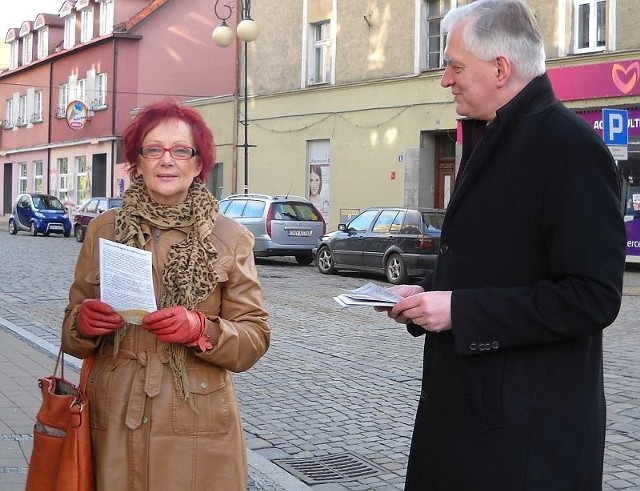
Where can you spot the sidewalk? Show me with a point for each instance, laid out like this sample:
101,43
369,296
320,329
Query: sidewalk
24,358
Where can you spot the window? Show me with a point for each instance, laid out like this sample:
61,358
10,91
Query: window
69,31
37,177
43,42
102,90
27,49
435,41
37,107
81,178
63,179
14,49
22,111
106,17
590,20
22,177
81,91
63,100
320,59
86,25
8,115
388,221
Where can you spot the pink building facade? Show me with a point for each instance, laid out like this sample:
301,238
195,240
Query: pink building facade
112,56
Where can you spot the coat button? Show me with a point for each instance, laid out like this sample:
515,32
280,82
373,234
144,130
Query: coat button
204,385
444,248
495,345
473,346
145,419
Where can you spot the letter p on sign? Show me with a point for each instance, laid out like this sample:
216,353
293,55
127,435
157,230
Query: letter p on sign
614,126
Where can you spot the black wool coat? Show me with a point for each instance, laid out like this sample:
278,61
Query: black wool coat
533,247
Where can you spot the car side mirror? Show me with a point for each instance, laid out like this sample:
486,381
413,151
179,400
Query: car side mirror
342,227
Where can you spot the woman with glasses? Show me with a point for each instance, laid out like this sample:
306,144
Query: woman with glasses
163,408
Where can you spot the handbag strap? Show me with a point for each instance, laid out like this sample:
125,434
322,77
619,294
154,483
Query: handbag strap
84,371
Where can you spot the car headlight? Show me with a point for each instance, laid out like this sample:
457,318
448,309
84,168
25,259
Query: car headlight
38,214
65,216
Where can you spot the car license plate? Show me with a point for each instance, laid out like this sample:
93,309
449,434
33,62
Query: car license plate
298,233
56,226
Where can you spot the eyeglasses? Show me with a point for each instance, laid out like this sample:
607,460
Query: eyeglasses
157,152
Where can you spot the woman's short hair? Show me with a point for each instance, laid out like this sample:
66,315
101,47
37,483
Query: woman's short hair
501,28
151,116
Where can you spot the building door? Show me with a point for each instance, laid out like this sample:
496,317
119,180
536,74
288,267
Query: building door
99,175
445,167
7,190
444,183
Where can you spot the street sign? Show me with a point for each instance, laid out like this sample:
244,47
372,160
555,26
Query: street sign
615,126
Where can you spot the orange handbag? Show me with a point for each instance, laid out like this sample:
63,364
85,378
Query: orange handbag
61,456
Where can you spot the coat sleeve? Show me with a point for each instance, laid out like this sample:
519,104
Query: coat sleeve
244,335
85,285
578,291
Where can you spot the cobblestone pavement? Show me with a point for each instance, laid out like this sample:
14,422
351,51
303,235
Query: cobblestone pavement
333,400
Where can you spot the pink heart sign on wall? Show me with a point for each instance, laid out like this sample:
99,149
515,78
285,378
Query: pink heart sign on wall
625,79
599,80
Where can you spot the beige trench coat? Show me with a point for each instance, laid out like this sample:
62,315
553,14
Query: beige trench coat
144,436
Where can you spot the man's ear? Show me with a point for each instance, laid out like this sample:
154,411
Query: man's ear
503,70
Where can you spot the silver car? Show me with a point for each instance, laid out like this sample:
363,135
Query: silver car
282,225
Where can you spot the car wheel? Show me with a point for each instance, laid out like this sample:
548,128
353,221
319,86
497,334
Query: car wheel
395,270
67,234
325,261
13,228
304,259
78,233
32,229
47,234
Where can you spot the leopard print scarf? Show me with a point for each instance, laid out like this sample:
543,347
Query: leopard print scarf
189,276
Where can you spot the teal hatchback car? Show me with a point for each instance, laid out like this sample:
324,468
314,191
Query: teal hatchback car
39,213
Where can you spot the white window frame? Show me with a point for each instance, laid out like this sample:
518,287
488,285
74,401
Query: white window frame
22,177
101,90
63,179
27,49
63,99
38,177
37,107
107,17
8,115
86,24
22,111
69,31
81,90
320,53
81,178
14,51
596,25
43,42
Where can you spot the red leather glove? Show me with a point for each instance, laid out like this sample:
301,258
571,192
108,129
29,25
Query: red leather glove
96,318
178,325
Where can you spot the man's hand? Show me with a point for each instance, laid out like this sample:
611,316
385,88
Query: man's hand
430,310
403,291
96,318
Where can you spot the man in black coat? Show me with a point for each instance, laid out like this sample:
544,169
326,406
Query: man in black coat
529,274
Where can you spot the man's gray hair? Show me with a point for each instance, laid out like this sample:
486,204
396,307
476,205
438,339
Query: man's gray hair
501,28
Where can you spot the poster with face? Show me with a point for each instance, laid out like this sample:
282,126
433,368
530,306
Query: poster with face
319,182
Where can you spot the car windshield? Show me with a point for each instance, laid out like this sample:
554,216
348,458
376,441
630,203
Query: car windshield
47,203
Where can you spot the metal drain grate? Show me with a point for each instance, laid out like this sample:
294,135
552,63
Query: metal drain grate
331,468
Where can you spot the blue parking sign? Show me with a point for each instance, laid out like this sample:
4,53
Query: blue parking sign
614,126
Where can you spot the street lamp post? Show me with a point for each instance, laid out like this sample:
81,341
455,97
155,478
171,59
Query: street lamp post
247,32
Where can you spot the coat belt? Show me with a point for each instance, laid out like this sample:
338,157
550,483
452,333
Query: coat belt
146,382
